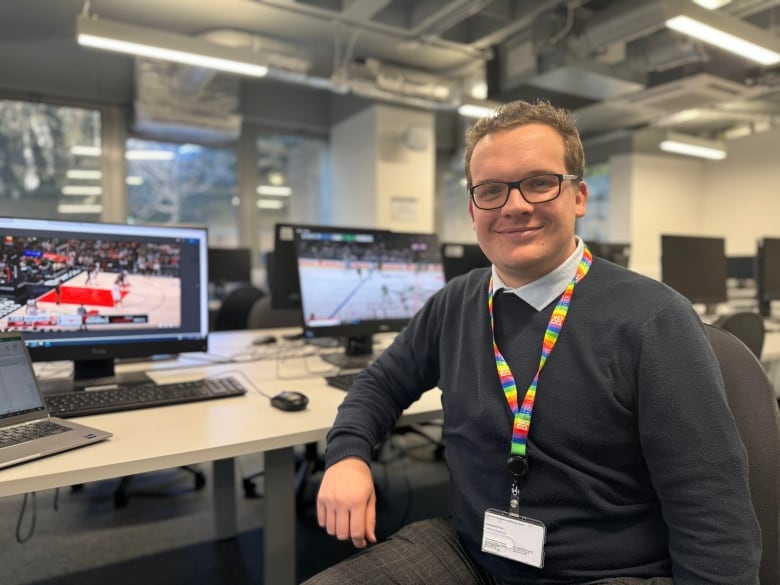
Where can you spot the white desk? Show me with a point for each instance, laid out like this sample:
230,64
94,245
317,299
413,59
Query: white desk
216,430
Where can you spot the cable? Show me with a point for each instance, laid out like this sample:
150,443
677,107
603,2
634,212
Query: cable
19,537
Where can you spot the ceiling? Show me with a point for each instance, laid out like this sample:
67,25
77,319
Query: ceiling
612,62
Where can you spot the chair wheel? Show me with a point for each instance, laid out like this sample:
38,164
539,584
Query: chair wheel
250,489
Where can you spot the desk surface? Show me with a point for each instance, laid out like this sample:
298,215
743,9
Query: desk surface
170,436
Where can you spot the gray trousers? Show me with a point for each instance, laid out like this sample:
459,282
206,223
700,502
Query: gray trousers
426,553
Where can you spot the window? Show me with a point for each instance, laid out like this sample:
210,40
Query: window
172,183
50,161
293,179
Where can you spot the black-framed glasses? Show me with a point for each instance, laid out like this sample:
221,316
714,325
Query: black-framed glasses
538,189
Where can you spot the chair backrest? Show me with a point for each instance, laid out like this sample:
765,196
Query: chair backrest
751,399
262,316
748,326
235,307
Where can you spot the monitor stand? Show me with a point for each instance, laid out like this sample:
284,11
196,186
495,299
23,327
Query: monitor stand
91,374
358,353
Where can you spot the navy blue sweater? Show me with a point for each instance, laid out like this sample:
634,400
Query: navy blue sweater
636,465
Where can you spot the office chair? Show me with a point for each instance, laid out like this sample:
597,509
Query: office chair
751,398
262,316
235,307
748,326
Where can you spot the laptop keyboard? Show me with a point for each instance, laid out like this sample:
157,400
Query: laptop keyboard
141,395
28,432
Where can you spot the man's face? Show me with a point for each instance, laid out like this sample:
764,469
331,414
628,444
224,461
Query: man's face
525,241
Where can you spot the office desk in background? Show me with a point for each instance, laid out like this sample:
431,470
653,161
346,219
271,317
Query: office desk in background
217,430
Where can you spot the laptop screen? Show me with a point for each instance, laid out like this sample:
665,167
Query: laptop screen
18,390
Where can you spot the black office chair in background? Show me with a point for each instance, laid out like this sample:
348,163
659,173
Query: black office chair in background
748,326
263,316
234,309
751,398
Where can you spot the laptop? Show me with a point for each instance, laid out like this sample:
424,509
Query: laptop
27,430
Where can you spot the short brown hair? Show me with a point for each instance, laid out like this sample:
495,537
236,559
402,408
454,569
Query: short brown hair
520,113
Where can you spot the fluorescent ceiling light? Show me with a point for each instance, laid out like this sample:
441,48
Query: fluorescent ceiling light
82,190
79,208
84,174
150,155
115,36
475,110
712,4
269,204
279,191
723,31
83,150
693,146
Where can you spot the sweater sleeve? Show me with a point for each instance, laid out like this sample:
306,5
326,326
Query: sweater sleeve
702,481
399,376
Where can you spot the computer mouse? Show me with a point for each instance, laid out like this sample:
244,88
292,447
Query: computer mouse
290,400
264,339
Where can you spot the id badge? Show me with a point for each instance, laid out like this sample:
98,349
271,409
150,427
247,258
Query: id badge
514,537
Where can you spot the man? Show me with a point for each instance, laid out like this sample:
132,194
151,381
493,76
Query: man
588,437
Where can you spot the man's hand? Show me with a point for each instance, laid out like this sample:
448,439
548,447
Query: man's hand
346,502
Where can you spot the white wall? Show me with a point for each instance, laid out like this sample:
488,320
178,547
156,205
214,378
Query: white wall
666,196
737,198
353,163
383,169
742,192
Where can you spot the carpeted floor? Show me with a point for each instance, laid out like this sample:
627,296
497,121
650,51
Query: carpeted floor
164,536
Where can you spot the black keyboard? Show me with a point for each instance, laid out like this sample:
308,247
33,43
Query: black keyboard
342,381
141,395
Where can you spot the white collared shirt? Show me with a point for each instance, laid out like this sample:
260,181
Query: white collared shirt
543,291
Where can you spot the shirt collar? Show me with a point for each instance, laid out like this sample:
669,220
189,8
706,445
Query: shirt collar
543,291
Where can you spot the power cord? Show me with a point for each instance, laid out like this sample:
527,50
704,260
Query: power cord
24,538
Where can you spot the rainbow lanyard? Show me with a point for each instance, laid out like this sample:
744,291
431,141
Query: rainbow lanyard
518,465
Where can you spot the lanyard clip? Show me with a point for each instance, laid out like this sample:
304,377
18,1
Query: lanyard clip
514,499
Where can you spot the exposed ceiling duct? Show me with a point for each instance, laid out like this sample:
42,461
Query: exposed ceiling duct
611,62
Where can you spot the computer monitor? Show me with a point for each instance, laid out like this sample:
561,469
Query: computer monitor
460,259
229,265
695,266
741,270
96,292
358,282
617,253
282,266
767,274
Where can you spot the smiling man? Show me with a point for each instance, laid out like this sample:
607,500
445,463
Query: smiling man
588,438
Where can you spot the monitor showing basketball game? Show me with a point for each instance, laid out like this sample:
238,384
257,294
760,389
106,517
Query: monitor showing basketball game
95,292
356,282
